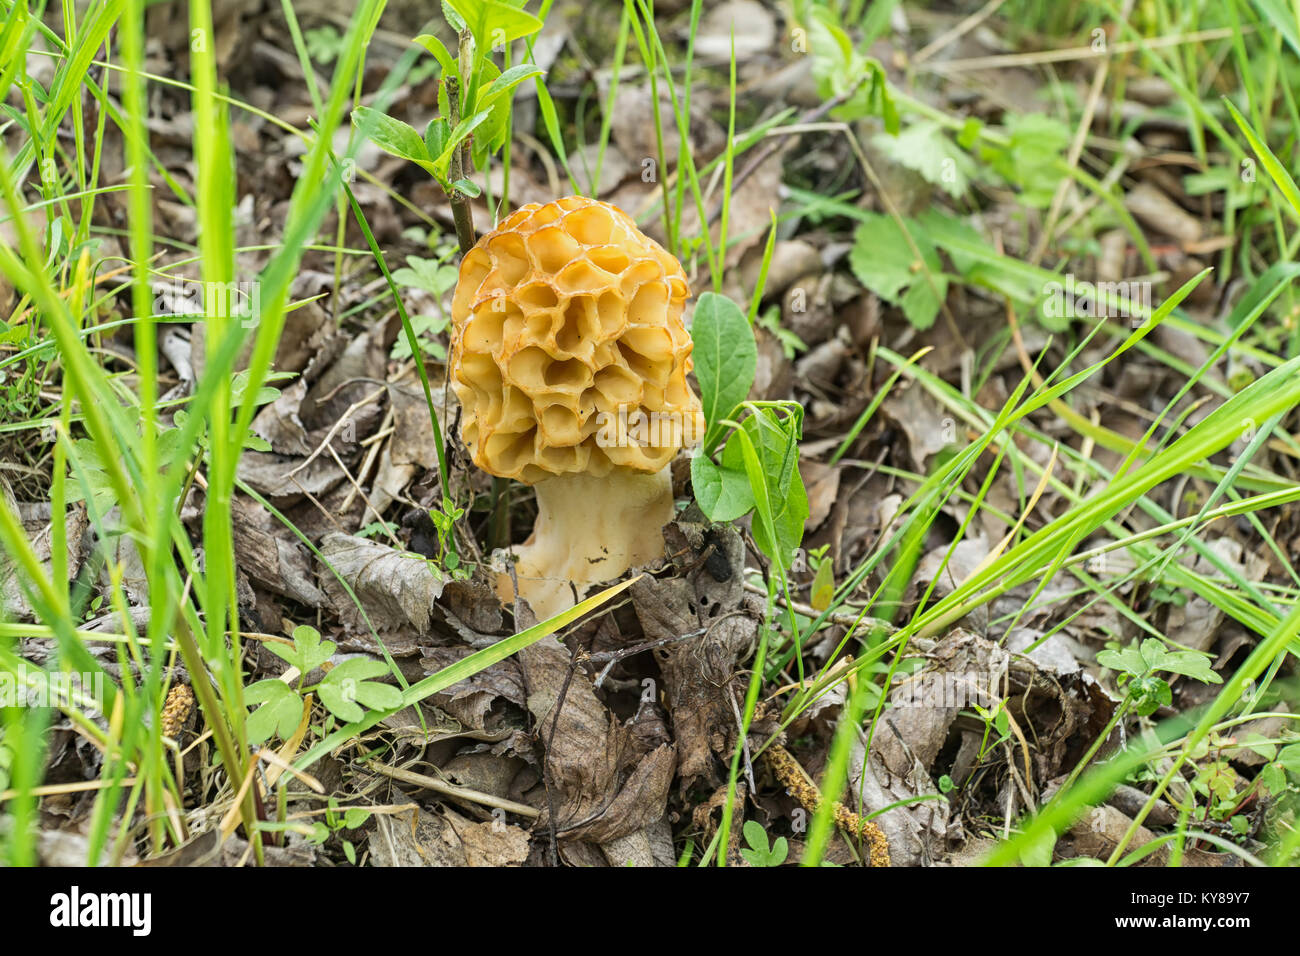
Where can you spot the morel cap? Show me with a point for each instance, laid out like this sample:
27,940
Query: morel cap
568,319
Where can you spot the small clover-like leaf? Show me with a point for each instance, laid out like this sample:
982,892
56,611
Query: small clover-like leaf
1192,664
755,835
279,713
1127,661
348,686
1289,758
780,850
308,651
431,275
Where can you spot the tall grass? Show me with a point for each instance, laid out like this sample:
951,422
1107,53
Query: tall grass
110,427
114,451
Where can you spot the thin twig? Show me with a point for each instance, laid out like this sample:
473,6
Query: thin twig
451,790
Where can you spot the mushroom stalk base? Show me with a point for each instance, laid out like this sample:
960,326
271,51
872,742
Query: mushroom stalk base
588,530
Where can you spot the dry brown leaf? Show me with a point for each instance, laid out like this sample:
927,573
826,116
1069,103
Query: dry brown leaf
396,588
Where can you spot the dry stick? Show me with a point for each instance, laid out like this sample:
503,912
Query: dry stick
335,429
1082,52
372,445
957,32
835,617
613,657
451,790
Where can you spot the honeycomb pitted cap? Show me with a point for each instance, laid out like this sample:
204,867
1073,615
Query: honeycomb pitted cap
568,349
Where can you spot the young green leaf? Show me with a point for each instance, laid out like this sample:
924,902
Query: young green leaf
492,22
441,54
883,261
925,148
308,651
723,494
391,135
436,136
279,714
774,440
726,358
1030,159
349,684
506,82
466,126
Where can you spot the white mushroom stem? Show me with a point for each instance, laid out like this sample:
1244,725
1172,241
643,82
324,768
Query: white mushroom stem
589,530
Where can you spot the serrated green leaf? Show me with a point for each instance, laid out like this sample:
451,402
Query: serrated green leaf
883,261
925,147
1191,664
1127,661
308,651
1036,144
1289,758
430,275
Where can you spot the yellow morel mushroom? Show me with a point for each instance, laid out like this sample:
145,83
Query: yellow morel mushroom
569,358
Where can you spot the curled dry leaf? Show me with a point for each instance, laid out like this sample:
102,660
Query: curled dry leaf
270,555
396,588
701,677
929,731
601,788
470,700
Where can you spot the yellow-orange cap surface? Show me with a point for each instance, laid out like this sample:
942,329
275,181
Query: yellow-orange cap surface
568,349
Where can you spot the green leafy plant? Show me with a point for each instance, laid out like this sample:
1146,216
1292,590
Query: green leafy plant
344,689
901,265
473,94
435,277
760,852
757,468
323,43
995,718
336,822
1031,155
843,74
1138,666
